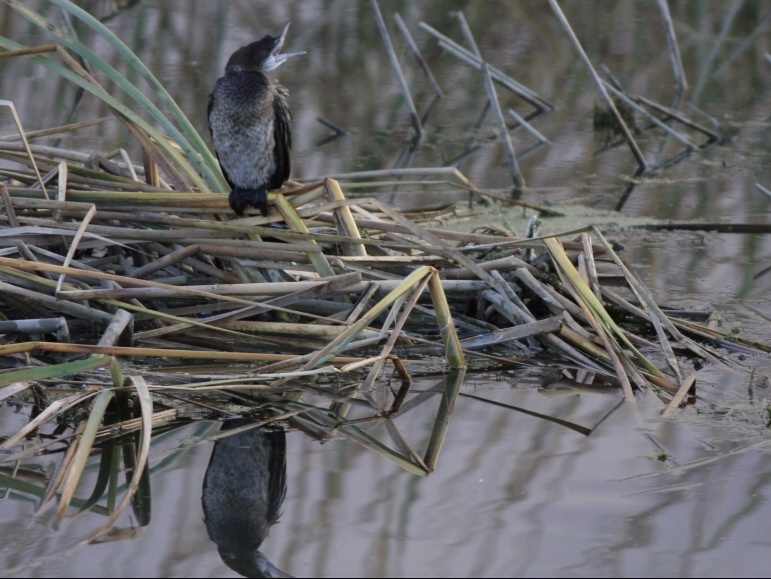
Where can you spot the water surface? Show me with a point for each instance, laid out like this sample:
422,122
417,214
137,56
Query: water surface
513,495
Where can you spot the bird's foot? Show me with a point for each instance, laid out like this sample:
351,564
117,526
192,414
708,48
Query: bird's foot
241,198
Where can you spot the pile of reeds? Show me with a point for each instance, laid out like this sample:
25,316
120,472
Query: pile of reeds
334,298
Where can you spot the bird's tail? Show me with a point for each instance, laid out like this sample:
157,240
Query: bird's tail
241,198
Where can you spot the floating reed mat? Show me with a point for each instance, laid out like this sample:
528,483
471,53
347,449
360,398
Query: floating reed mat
320,314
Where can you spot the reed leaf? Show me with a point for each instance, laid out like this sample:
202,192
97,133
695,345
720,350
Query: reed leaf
567,424
453,348
294,221
146,409
338,344
158,138
453,380
85,443
108,471
326,423
51,371
564,263
23,136
190,142
198,146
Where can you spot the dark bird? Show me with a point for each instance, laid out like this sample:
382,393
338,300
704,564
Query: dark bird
250,123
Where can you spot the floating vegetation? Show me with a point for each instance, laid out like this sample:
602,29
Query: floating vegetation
133,301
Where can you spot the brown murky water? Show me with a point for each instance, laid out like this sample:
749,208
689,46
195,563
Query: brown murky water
513,495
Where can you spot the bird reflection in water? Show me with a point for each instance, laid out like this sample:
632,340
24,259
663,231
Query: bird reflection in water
243,489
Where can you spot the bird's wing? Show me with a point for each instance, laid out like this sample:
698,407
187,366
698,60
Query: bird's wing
282,133
209,107
276,472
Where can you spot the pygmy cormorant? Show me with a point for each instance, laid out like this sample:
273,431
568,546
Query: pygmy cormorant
250,123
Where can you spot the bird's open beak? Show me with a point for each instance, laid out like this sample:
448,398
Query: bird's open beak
275,59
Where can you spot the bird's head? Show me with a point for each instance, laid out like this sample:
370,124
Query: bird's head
261,55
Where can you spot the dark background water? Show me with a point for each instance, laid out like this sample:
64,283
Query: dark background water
513,495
